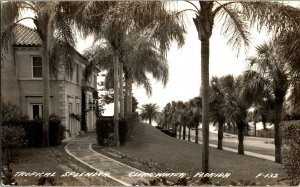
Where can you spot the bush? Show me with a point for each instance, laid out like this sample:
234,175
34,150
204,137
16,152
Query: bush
10,112
104,129
291,149
56,131
34,131
13,137
126,127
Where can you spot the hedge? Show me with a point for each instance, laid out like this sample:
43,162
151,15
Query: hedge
34,131
291,149
105,129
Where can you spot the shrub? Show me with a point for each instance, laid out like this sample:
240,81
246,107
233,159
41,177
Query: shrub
12,138
10,112
56,131
34,131
104,128
126,127
291,149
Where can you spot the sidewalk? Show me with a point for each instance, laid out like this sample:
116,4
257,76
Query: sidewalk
80,148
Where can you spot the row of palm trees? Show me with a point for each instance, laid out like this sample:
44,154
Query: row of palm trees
151,21
262,88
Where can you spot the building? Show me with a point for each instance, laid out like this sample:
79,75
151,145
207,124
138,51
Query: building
22,84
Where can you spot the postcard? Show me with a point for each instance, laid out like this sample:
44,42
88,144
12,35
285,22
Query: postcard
150,93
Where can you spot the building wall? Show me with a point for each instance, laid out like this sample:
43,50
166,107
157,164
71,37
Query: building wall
9,78
65,92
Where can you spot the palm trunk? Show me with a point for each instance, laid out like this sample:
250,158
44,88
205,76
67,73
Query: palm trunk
229,126
197,134
189,134
1,151
220,135
46,93
180,130
130,94
240,127
184,132
116,98
277,136
205,103
121,91
126,102
234,128
254,128
150,121
264,120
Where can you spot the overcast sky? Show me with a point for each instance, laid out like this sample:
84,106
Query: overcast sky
184,63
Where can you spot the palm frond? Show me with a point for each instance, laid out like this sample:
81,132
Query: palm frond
235,27
273,16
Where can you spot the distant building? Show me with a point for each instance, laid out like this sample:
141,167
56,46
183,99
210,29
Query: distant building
22,84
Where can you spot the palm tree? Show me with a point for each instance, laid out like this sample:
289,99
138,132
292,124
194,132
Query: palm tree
195,115
149,112
217,99
136,66
151,20
236,105
269,74
270,15
50,23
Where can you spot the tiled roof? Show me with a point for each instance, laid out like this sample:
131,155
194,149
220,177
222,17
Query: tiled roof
25,36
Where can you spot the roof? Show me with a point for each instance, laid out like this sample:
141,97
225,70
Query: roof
25,36
28,37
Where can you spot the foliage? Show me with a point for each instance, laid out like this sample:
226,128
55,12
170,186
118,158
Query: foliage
10,112
291,149
76,116
34,131
12,138
104,130
149,112
126,127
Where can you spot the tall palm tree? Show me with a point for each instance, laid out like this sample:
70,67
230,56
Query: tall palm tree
269,73
149,112
147,60
270,15
150,19
54,29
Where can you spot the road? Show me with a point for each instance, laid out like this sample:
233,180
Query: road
264,146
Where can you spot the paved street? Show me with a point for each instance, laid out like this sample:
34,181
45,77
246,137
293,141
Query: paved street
262,147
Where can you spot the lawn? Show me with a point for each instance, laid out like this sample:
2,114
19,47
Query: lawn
50,160
151,150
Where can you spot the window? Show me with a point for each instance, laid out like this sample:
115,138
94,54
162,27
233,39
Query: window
37,111
37,67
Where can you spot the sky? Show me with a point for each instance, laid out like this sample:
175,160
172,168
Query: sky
184,63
